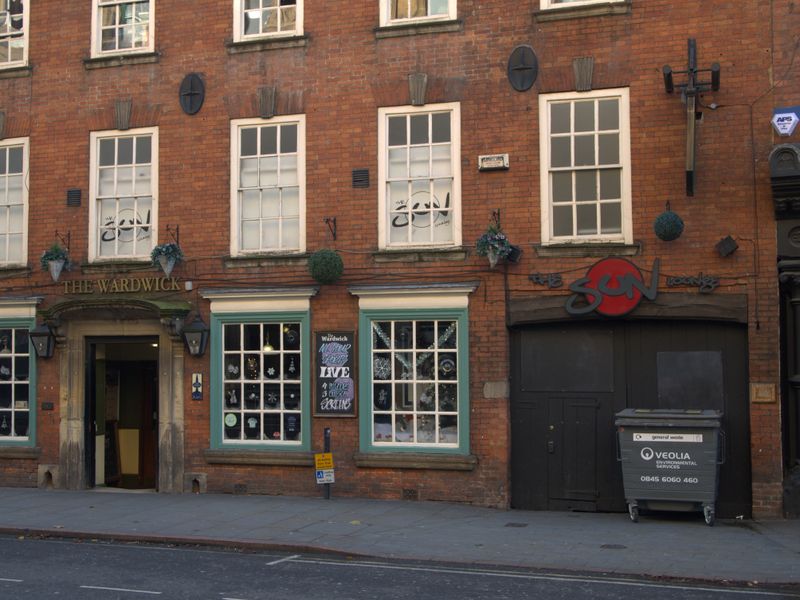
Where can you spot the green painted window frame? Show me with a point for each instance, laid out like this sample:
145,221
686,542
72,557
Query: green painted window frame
30,442
217,321
366,317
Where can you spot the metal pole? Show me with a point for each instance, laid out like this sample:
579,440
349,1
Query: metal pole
327,449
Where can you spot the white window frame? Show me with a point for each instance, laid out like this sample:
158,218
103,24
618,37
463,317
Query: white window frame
97,47
24,36
626,235
551,4
94,143
383,156
236,126
238,24
24,142
387,21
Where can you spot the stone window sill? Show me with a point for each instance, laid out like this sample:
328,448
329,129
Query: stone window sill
420,254
120,60
423,28
120,266
412,460
599,250
14,72
265,260
580,12
263,44
25,452
15,271
259,457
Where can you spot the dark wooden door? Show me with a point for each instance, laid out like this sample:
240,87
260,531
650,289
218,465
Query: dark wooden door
570,379
567,387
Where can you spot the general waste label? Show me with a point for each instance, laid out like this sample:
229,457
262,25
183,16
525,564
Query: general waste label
694,438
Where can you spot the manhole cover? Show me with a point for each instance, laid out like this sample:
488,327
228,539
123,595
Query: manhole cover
613,547
516,524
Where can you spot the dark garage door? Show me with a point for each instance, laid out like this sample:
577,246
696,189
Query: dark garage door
569,379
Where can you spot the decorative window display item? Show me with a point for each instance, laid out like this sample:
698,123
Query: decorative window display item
262,399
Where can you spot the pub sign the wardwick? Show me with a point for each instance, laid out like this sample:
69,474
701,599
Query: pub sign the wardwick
335,389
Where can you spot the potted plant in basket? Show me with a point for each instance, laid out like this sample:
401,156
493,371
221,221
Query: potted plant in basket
54,259
493,244
167,256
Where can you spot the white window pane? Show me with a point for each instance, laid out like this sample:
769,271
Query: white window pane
17,49
448,430
397,163
124,181
440,157
3,220
3,249
288,170
419,129
142,183
15,248
587,219
251,204
288,18
560,152
585,186
109,40
126,13
271,203
108,16
419,164
107,154
291,202
105,182
125,38
143,149
610,186
440,127
125,246
249,142
439,7
421,232
443,217
270,234
124,151
251,235
562,186
15,160
398,228
560,118
608,149
268,171
269,22
248,172
108,212
584,150
4,51
562,220
611,217
14,192
584,116
397,131
291,233
15,219
107,243
141,36
252,21
608,114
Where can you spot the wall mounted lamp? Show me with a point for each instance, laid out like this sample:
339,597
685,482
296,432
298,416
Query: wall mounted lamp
195,336
43,340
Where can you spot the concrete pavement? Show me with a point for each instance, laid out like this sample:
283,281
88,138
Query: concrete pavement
673,545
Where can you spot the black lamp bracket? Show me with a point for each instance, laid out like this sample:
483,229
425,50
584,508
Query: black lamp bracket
175,233
64,239
331,223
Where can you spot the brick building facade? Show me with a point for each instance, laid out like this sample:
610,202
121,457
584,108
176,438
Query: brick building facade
309,127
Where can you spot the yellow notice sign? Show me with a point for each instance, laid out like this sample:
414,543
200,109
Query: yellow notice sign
323,461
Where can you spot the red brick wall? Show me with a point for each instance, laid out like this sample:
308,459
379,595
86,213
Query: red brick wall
338,80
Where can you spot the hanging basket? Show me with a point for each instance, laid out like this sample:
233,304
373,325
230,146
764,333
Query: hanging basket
668,226
55,267
167,264
325,266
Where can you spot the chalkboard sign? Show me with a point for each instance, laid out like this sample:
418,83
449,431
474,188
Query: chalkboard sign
336,388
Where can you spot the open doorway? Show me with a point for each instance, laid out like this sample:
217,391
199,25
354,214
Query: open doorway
122,412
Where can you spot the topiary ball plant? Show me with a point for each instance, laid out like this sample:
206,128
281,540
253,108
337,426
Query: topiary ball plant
325,266
668,226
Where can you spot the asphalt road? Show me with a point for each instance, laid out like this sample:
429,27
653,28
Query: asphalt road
49,568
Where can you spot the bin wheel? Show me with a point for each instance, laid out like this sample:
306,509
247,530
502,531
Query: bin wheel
708,513
633,511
